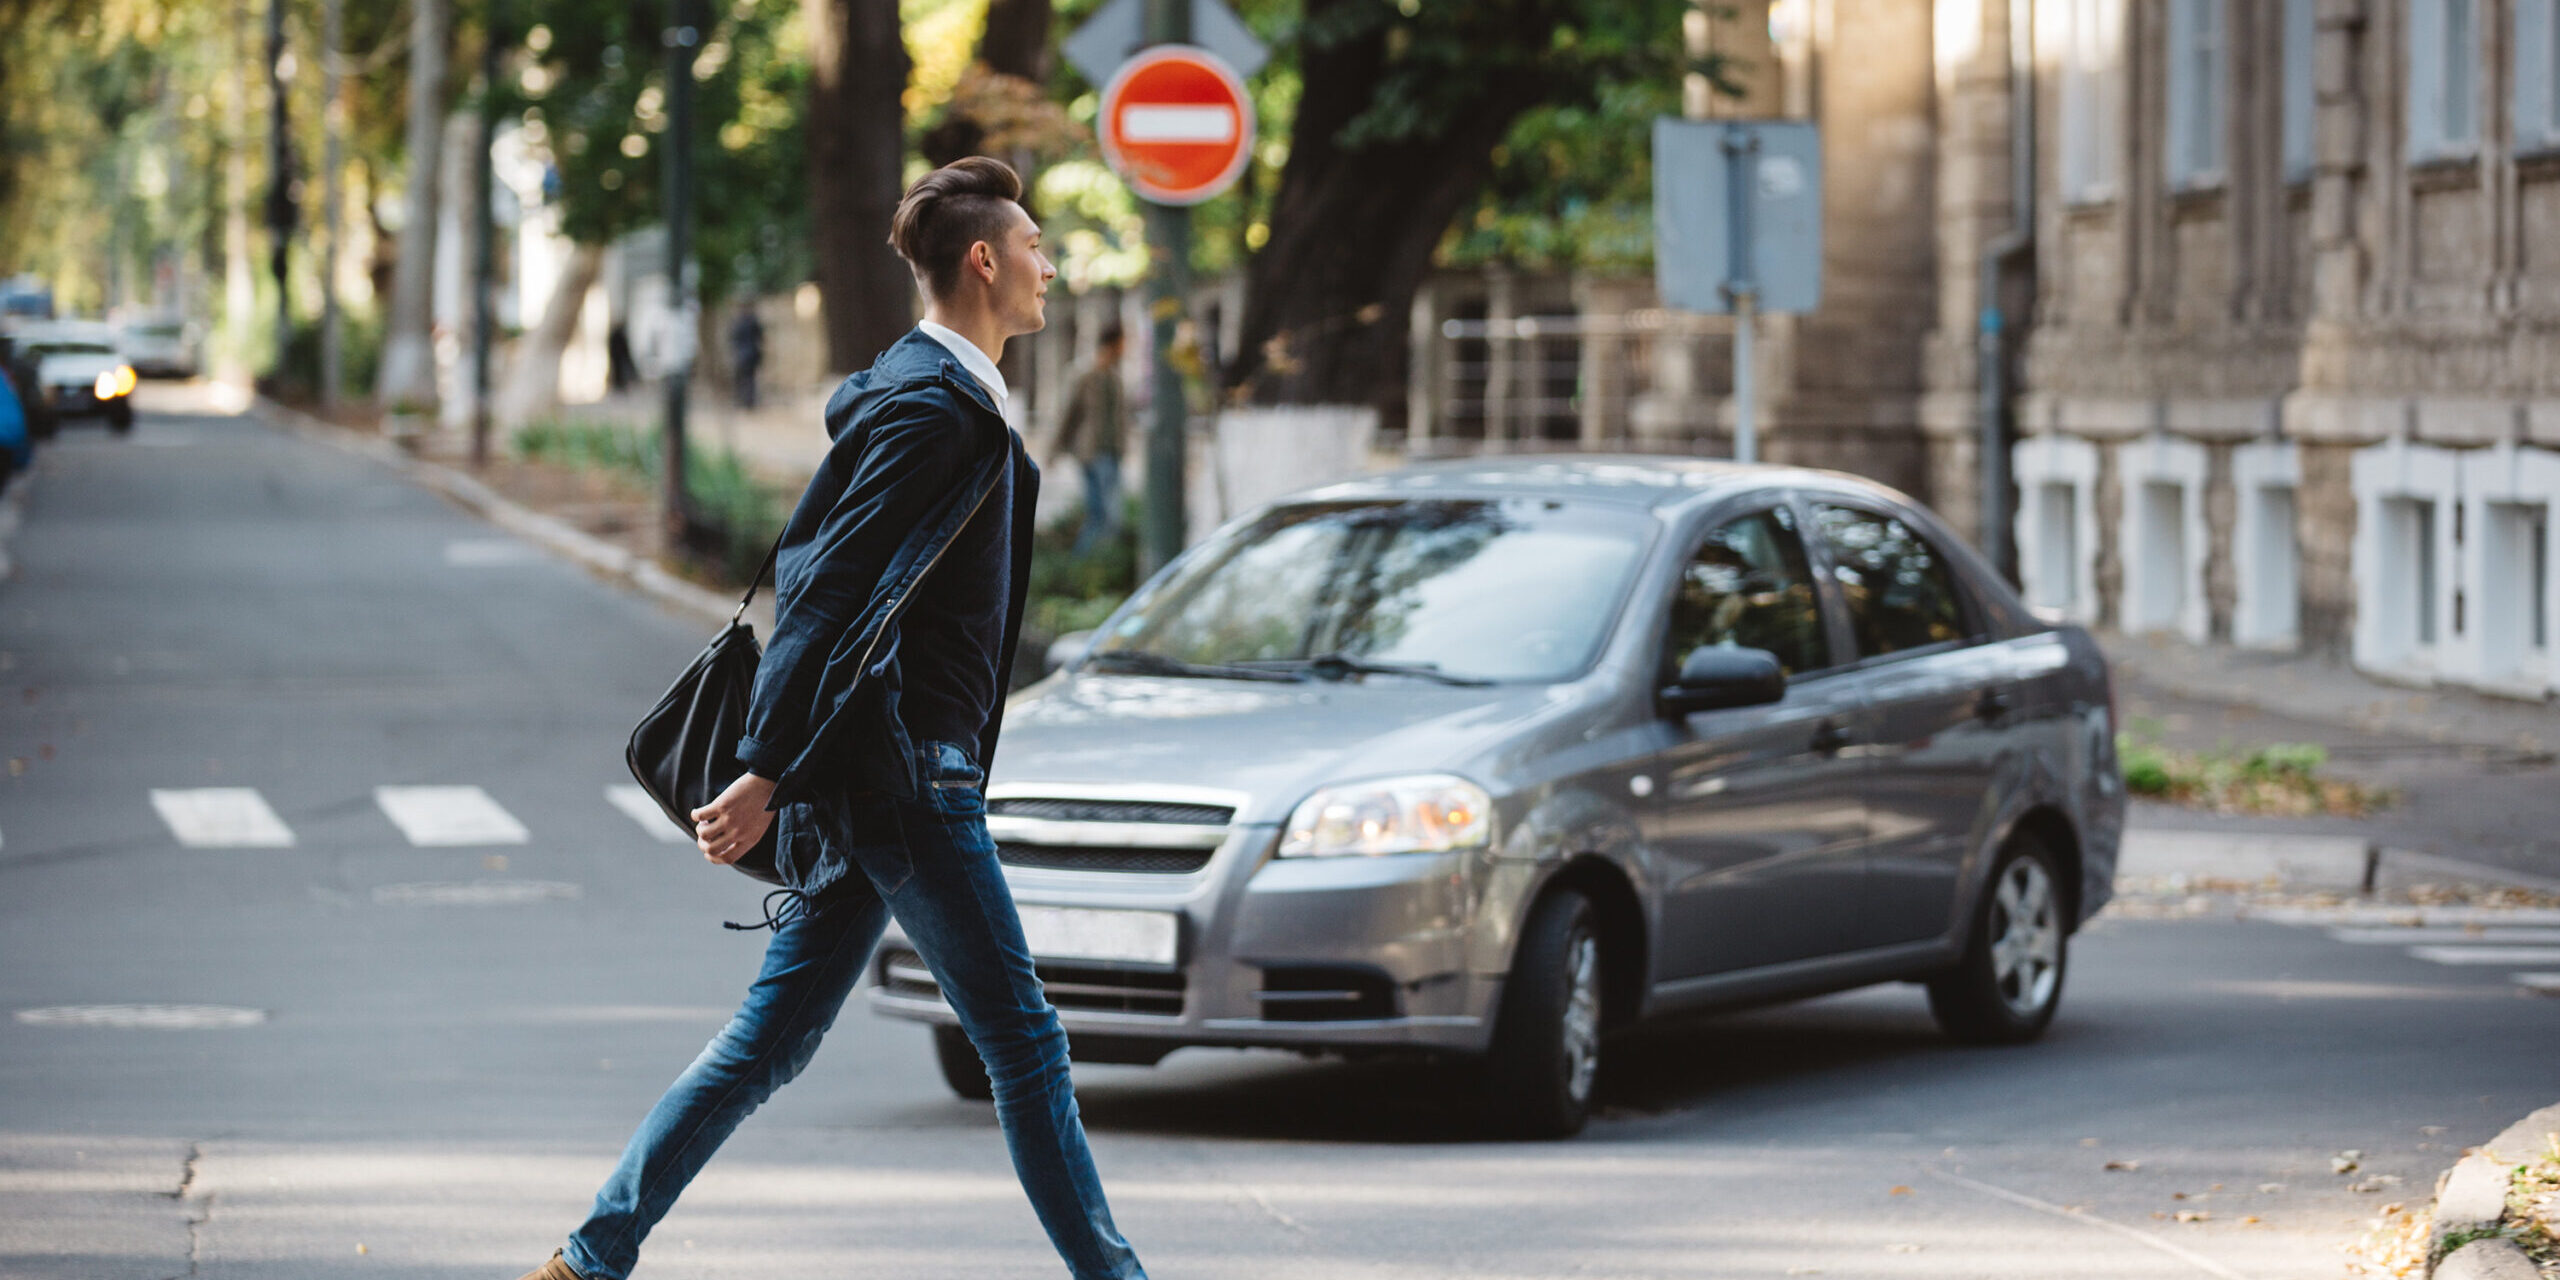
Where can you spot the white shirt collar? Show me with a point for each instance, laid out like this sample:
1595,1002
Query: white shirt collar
971,359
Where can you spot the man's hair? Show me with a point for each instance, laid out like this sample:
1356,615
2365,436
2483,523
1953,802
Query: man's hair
948,210
1111,333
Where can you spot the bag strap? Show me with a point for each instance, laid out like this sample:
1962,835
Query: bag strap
758,580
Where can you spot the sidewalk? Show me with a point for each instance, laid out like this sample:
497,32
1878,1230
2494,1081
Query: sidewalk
2475,775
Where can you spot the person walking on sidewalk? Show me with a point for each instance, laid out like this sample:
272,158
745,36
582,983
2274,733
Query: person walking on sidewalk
746,353
1090,432
899,590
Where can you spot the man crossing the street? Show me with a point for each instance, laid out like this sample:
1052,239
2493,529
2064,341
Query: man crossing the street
899,589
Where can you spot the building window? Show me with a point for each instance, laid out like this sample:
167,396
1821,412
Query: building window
2536,103
2267,551
2090,36
2161,538
2444,79
2301,96
2405,577
2057,525
2509,495
2196,93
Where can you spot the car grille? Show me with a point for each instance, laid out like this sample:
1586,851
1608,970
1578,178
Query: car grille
1110,836
1081,987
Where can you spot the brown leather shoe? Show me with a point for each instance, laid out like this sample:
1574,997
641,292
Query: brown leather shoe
556,1269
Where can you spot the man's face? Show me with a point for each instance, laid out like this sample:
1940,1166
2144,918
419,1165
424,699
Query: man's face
1022,274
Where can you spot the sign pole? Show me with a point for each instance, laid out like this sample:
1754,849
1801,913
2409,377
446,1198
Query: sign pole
682,39
1741,149
1168,297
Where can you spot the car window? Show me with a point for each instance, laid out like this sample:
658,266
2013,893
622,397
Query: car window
1495,590
1748,585
1900,591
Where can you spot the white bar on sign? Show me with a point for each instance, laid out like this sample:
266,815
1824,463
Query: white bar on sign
449,816
2488,955
222,818
1178,124
636,803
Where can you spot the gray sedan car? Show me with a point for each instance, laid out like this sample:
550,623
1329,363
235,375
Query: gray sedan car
1486,759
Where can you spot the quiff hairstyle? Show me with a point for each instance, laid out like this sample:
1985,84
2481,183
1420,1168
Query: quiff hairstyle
948,210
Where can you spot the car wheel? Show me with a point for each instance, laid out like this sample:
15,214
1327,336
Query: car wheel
2009,983
1546,1041
961,1068
120,419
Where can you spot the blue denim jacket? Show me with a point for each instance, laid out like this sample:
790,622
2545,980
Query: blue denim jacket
918,449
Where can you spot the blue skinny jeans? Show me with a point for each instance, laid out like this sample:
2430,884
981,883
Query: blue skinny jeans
943,883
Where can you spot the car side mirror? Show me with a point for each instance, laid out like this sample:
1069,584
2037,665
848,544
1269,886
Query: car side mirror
1714,677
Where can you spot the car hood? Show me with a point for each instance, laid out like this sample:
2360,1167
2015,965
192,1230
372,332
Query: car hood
1274,742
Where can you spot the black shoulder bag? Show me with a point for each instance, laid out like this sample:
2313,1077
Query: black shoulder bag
684,752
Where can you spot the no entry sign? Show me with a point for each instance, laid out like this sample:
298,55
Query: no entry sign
1176,124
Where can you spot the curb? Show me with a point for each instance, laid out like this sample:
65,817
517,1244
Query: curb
562,539
2472,1198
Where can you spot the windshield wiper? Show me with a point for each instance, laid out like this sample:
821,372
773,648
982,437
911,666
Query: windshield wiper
1142,662
1342,666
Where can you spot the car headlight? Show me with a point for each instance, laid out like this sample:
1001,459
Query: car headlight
1430,813
105,386
126,379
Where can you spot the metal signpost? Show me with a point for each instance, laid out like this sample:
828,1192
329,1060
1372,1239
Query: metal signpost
1737,225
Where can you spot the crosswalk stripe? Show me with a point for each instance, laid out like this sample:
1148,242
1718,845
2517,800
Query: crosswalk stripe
636,804
2539,983
445,817
2448,934
2429,917
221,818
2488,955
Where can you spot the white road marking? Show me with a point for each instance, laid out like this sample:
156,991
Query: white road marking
153,1017
446,817
1178,124
473,893
481,553
2428,917
2547,984
636,804
2488,955
2446,934
2086,1218
221,818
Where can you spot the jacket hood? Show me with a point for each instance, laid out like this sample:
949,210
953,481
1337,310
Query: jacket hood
1275,742
915,360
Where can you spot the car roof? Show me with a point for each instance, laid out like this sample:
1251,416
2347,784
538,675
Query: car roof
1656,482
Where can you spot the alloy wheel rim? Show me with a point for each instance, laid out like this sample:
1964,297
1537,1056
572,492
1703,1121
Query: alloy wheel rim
2026,938
1582,1016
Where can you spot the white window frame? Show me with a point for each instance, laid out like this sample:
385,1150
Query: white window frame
2534,101
2483,656
2042,465
2157,596
2444,79
2266,549
2388,641
2089,51
2199,65
2301,104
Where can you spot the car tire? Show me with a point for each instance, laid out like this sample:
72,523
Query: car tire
42,424
961,1068
120,419
2009,984
1546,1040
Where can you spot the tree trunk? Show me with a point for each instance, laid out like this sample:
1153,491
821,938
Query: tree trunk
533,377
408,374
1015,43
1353,233
857,148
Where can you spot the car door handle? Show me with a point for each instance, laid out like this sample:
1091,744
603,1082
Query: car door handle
1991,704
1830,736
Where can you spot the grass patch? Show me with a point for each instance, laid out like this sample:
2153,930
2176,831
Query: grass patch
739,515
2281,778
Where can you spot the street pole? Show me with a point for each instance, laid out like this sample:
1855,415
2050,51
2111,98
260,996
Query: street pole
333,118
1741,151
1168,297
682,38
280,210
484,230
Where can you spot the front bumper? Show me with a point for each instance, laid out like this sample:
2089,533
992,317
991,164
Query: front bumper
1329,953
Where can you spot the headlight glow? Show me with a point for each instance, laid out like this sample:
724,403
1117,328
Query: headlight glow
1429,813
126,379
105,386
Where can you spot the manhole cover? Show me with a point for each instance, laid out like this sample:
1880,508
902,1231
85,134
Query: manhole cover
154,1017
473,893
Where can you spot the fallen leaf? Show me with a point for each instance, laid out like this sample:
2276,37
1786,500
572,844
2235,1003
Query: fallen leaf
2123,1166
1899,1191
2250,1220
2270,1188
2346,1162
361,1249
2088,1142
2194,1215
2215,1187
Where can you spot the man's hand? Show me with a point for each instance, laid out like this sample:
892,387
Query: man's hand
727,827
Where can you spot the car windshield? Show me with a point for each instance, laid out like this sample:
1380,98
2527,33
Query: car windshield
1480,590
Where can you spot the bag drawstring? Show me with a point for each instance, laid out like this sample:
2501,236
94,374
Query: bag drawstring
795,907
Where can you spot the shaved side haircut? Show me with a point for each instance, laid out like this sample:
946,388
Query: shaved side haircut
948,210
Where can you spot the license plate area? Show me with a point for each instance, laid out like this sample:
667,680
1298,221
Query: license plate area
1096,935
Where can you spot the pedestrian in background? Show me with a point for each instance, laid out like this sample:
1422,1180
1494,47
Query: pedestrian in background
746,353
881,795
1090,432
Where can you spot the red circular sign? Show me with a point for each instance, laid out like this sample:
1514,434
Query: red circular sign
1176,124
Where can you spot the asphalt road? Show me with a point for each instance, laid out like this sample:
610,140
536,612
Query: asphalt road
446,1043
